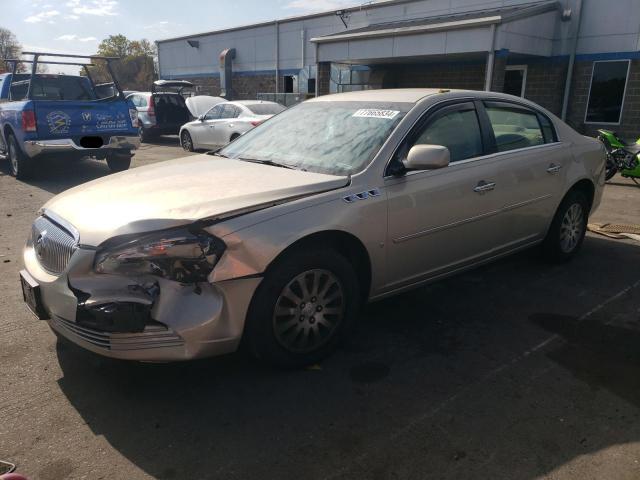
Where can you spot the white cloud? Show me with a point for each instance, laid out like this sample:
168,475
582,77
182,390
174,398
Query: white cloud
100,8
319,5
46,15
72,17
74,37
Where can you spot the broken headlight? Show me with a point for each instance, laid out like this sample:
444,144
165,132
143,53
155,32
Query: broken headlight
186,255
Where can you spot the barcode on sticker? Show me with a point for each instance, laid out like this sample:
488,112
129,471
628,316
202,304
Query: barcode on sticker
376,113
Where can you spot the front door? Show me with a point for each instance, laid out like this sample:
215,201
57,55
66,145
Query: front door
441,220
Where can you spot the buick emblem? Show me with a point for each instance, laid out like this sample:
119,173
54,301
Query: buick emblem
39,244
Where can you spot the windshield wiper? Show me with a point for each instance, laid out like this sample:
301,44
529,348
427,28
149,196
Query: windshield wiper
271,163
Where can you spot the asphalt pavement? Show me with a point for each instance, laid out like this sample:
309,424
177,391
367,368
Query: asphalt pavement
517,370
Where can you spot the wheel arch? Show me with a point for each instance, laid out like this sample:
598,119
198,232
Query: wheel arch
347,244
585,186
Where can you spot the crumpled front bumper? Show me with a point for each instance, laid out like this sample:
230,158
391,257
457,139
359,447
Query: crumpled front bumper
34,148
187,322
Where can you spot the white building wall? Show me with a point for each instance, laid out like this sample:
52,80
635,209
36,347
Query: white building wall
608,26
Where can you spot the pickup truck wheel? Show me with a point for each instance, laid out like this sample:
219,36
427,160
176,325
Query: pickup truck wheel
119,162
19,164
568,228
303,309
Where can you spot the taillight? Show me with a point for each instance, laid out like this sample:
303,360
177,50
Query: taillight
152,109
133,114
255,123
28,121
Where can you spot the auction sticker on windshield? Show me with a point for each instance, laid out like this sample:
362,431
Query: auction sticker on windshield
376,113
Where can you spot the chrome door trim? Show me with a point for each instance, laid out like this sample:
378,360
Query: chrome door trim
482,216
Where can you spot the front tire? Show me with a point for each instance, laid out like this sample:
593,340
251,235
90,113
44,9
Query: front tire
186,141
304,308
119,162
20,165
568,228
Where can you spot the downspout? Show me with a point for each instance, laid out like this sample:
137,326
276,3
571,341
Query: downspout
303,38
317,72
572,61
488,78
277,57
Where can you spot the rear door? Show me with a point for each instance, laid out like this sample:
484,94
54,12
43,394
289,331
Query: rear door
528,149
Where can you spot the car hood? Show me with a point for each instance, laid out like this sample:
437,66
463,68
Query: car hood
202,104
178,192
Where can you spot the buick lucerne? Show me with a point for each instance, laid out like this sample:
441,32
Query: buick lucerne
277,239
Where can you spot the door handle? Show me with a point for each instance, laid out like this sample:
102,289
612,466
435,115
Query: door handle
484,187
553,168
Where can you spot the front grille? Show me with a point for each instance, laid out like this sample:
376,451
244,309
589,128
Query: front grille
153,336
53,245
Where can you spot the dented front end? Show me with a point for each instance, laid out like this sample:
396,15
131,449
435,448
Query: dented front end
144,317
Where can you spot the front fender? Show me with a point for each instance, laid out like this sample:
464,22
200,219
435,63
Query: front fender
252,249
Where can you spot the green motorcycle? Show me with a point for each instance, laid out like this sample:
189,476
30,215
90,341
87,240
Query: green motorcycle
622,156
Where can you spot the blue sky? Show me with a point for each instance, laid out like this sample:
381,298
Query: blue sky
77,26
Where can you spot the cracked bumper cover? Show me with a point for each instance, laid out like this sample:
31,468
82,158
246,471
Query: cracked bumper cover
184,322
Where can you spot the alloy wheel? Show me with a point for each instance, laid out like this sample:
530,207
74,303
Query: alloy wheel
187,144
308,311
571,228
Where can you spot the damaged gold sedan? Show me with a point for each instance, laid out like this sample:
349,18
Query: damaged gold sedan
280,237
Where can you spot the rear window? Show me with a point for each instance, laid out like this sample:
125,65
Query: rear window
265,108
52,87
61,88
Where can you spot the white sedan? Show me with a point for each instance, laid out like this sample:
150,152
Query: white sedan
225,122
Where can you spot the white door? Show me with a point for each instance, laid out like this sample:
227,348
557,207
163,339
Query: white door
203,131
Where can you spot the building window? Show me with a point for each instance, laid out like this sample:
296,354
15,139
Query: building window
515,80
606,94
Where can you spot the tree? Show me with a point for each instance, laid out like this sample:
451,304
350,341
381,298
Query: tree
134,70
9,48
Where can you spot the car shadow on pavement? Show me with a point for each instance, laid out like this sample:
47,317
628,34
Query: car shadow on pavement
495,373
58,175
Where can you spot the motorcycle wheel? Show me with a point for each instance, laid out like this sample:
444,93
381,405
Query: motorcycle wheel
610,170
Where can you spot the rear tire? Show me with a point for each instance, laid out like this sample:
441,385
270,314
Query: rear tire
20,165
568,228
304,308
119,162
186,141
611,169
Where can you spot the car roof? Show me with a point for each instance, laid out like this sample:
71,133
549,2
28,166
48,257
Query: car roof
246,103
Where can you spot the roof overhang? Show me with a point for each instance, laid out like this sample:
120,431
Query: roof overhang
429,28
432,25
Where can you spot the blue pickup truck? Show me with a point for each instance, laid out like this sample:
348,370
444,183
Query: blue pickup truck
44,115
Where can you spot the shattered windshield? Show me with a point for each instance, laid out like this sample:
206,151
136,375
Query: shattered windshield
336,138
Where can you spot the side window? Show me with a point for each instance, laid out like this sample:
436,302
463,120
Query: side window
514,127
456,128
215,113
229,111
142,101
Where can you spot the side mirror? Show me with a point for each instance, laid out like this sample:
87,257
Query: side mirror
427,157
201,118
